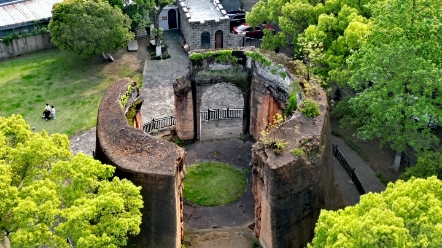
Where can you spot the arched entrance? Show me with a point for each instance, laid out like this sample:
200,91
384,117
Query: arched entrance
219,39
172,19
221,112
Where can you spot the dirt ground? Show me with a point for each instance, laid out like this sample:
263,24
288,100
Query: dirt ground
123,59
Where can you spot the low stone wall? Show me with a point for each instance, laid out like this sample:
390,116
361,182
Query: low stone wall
155,165
25,45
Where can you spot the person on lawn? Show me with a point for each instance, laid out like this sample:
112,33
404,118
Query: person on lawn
53,115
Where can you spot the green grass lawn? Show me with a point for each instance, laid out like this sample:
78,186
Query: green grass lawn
74,85
213,183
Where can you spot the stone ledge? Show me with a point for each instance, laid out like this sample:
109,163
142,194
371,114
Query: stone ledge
128,148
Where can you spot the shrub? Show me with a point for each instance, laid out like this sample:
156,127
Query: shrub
428,164
292,104
298,152
310,108
342,109
165,56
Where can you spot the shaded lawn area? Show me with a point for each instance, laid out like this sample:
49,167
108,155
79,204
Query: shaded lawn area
213,183
74,85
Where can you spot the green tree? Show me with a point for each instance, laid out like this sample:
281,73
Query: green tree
429,163
154,8
89,27
48,195
406,214
399,75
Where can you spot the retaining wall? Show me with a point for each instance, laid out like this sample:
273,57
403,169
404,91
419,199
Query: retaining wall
25,45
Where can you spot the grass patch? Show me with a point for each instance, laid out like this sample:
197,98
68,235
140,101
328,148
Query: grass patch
74,85
383,179
213,183
352,145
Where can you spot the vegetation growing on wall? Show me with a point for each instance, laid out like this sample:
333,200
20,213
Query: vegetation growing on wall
310,108
125,97
7,39
222,56
277,145
309,149
292,104
262,59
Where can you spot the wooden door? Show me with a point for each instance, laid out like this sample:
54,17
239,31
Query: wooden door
219,39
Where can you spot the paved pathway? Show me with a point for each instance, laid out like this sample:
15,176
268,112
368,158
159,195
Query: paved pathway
158,79
367,176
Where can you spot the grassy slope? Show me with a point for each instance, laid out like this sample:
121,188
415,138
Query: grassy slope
74,85
213,183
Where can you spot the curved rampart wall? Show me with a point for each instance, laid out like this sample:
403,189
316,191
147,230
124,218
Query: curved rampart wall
155,165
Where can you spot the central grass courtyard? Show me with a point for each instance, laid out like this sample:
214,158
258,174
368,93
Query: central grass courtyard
73,84
213,183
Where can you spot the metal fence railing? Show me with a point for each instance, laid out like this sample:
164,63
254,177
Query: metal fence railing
350,170
246,41
156,124
215,114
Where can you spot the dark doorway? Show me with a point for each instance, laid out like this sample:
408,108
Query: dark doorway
219,39
172,18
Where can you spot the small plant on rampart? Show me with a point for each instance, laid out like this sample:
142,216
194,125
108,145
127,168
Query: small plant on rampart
310,108
277,145
125,97
309,149
292,104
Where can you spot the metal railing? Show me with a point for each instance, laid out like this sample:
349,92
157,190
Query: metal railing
215,114
156,124
246,41
350,170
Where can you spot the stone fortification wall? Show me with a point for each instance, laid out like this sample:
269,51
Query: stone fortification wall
192,29
291,190
25,45
155,165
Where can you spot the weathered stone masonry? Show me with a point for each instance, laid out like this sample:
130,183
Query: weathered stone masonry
191,29
289,191
155,165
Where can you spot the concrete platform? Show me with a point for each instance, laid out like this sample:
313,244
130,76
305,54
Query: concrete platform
132,46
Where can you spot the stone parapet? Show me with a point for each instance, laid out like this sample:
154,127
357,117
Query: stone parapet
155,165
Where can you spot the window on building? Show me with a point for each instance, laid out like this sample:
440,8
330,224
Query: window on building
205,40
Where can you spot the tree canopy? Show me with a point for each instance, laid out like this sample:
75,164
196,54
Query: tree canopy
406,214
48,195
428,164
398,75
89,27
154,8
